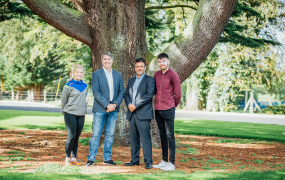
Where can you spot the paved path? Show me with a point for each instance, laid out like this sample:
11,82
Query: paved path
32,106
235,117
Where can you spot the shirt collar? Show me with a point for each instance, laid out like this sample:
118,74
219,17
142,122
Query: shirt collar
165,71
140,76
105,70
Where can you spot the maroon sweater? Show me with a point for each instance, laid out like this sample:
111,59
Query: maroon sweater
168,90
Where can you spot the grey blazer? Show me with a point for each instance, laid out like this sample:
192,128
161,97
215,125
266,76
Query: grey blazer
143,99
100,89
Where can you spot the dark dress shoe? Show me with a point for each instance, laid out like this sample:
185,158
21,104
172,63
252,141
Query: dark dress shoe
148,165
132,163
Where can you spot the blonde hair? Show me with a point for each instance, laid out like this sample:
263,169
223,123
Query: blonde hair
76,66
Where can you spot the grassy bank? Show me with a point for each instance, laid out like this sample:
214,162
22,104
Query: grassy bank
231,129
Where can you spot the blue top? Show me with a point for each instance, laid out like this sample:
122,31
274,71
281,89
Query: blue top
79,85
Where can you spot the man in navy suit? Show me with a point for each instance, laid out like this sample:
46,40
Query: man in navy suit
138,98
108,91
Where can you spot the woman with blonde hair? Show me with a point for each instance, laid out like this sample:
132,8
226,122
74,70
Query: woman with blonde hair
74,108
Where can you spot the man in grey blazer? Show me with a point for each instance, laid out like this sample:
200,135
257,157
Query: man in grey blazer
138,98
108,91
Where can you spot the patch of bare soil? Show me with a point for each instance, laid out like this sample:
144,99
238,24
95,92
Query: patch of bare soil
37,147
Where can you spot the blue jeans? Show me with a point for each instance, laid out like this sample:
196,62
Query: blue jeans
99,119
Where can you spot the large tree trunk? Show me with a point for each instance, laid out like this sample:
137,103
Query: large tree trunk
38,91
118,26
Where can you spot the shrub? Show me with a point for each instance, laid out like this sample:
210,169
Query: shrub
274,109
230,107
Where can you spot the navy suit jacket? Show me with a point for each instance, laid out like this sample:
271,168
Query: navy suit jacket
143,98
100,89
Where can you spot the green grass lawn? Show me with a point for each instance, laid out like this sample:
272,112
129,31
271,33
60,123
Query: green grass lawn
177,175
231,129
14,119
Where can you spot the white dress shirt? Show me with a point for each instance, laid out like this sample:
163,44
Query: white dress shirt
135,87
110,83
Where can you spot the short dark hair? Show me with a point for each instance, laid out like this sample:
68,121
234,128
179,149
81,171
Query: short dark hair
141,60
162,55
108,54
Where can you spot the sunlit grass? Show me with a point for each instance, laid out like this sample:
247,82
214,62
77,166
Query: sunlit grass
230,129
48,174
16,119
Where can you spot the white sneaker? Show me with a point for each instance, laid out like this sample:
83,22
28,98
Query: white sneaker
168,167
161,164
68,162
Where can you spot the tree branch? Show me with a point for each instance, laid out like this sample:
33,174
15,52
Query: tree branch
79,5
71,22
184,16
190,49
168,7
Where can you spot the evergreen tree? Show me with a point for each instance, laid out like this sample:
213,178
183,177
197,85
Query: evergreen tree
242,63
35,54
166,19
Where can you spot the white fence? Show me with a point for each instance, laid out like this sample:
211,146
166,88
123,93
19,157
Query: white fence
29,96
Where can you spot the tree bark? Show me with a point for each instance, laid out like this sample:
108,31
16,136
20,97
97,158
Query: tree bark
38,91
71,22
2,83
118,26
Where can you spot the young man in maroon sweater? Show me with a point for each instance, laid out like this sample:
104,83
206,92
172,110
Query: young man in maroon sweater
167,97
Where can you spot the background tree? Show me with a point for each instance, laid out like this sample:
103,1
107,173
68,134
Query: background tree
35,54
10,9
252,47
119,27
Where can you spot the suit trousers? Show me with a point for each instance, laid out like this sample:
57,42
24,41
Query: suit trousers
140,131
